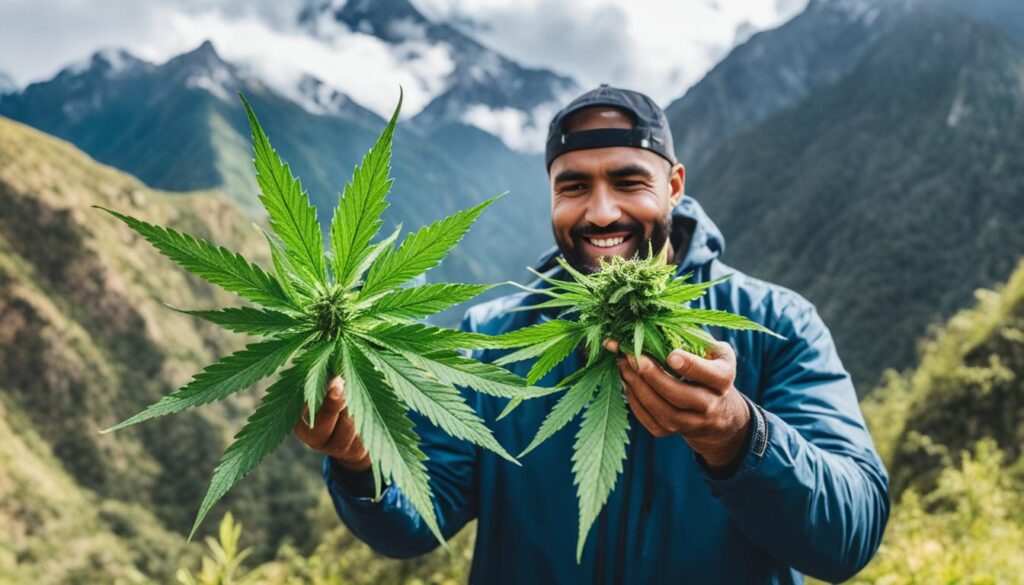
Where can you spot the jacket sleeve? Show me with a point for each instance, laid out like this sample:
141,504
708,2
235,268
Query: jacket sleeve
389,524
811,489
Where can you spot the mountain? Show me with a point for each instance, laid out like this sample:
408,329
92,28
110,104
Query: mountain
85,342
773,70
482,86
178,126
1007,15
131,114
886,195
779,68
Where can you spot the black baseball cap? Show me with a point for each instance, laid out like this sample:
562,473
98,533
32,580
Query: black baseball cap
650,129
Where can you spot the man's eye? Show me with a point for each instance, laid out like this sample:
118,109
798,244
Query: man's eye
628,183
573,187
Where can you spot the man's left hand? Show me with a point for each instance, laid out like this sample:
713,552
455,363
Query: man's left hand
704,407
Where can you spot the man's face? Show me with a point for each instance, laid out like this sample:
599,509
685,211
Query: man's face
611,201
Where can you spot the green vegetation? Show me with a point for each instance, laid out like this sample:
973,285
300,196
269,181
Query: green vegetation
637,302
968,529
951,433
56,532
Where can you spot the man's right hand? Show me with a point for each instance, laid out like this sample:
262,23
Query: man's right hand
334,432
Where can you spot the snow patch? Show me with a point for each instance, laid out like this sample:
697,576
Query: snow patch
113,62
956,110
117,60
408,29
217,81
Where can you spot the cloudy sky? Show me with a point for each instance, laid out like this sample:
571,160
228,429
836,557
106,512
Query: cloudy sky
658,47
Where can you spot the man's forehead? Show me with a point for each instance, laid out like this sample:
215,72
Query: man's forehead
597,161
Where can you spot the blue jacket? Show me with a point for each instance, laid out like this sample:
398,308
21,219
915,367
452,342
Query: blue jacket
811,494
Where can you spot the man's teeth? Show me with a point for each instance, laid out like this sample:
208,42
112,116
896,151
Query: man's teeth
607,242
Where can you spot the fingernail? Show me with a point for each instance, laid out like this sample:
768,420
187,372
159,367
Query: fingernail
335,393
676,359
645,363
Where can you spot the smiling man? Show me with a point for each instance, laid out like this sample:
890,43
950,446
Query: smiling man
750,465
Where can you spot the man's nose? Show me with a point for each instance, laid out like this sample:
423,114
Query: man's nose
602,208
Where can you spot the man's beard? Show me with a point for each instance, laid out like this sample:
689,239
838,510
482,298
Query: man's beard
576,258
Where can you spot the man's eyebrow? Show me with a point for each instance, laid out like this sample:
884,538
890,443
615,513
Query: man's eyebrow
571,175
630,170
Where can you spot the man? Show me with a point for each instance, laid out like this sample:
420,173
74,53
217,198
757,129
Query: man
752,465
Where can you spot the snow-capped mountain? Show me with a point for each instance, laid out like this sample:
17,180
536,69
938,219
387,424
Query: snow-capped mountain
319,98
483,88
203,69
179,126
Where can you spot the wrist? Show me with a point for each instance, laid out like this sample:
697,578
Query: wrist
358,484
360,464
726,453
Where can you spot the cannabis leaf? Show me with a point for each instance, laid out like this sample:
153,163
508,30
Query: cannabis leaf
638,302
338,314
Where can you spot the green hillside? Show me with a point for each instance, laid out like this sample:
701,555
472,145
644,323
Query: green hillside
85,341
951,432
889,195
57,532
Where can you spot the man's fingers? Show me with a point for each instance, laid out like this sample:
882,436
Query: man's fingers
681,395
344,441
641,413
611,345
326,418
661,411
717,373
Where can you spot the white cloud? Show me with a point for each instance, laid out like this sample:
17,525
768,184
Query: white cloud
660,48
261,38
362,66
517,129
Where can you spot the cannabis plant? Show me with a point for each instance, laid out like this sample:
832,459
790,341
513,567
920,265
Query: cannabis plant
341,313
637,302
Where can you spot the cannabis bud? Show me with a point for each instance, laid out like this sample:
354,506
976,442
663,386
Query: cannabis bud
638,302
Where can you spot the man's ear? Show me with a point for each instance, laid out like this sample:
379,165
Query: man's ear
677,183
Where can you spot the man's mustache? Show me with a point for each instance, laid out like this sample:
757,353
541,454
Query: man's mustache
580,231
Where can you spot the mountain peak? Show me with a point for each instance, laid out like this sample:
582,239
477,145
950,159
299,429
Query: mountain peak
203,68
386,19
109,62
204,56
380,9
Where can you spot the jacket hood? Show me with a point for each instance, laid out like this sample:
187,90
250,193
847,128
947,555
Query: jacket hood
696,239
